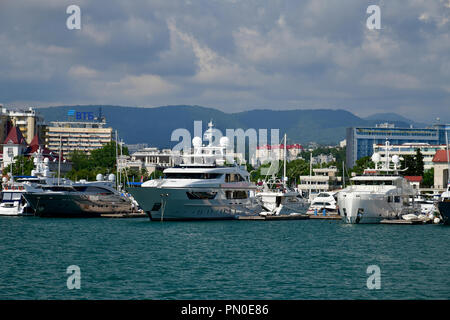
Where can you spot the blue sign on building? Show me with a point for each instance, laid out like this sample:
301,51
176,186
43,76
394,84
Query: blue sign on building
81,115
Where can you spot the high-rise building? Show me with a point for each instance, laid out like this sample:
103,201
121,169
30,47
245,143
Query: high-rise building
360,140
28,121
77,135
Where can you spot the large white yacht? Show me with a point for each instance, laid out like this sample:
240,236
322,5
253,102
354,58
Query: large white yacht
377,194
203,187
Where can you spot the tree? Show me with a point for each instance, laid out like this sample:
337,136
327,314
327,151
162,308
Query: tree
409,164
22,166
428,178
362,164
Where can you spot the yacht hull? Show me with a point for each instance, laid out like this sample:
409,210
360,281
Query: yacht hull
163,204
366,208
444,210
74,206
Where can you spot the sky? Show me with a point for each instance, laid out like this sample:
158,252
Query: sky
232,55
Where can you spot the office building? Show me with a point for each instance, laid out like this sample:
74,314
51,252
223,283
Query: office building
77,135
361,140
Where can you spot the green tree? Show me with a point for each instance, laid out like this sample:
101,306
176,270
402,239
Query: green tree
419,165
428,178
362,164
22,166
408,163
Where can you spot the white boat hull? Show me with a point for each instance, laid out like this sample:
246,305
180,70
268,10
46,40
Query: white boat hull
366,208
162,204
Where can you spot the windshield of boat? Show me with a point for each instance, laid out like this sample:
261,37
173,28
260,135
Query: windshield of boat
11,196
373,182
92,189
191,175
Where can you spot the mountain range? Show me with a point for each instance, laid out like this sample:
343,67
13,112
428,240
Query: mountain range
154,126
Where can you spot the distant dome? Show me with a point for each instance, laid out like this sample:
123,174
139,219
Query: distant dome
197,142
111,177
376,157
395,159
224,141
46,160
99,177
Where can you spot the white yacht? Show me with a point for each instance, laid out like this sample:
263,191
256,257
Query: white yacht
281,201
276,198
203,187
377,194
13,202
324,201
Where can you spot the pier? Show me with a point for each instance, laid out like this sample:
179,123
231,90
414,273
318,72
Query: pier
405,222
274,217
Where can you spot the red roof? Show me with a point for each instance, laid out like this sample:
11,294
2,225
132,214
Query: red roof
15,137
281,146
414,178
440,156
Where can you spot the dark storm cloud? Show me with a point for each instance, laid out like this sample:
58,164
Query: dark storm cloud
229,54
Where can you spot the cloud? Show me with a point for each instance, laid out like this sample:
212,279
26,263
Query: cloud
231,55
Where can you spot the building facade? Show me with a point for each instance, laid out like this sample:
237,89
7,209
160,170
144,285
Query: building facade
28,121
267,153
360,140
428,151
77,135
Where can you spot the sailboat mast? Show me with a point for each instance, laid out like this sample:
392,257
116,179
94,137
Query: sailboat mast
284,163
59,159
448,157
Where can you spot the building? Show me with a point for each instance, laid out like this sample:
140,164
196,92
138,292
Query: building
150,159
28,121
15,145
441,169
323,159
428,151
360,140
77,135
324,179
267,153
415,181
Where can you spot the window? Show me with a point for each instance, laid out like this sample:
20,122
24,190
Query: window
233,177
397,199
236,194
191,175
201,195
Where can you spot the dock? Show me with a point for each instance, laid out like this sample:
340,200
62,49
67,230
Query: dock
404,222
123,215
322,217
274,217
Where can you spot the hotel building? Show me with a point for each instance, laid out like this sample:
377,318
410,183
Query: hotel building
361,140
81,135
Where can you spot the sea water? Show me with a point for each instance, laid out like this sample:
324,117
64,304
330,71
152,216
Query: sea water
139,259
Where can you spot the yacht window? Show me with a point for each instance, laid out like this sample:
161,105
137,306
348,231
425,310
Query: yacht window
233,177
236,194
397,199
323,195
389,199
201,195
191,175
7,196
92,189
16,196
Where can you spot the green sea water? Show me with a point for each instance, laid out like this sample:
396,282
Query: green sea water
139,259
